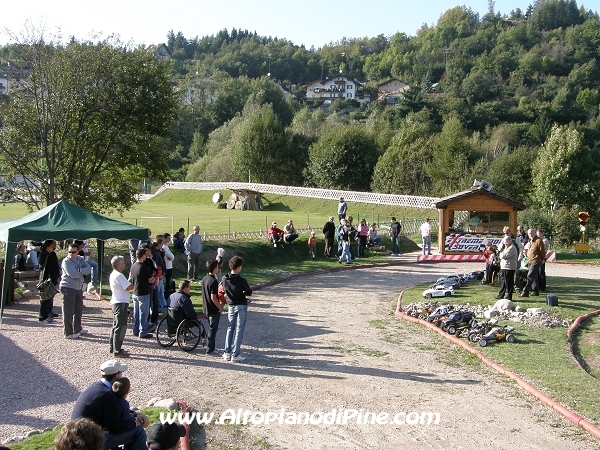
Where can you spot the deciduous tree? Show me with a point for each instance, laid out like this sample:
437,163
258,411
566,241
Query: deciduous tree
85,122
343,158
564,173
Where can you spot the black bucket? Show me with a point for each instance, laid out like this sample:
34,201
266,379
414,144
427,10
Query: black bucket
552,300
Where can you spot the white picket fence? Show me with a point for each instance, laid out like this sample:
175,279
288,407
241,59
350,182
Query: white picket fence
327,194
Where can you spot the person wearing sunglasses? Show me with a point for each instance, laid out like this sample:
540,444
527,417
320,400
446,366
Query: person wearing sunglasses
74,267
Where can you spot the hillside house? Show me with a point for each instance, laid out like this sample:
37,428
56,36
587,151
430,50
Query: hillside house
337,87
392,91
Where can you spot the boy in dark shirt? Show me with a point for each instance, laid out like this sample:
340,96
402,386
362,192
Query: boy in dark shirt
141,278
210,304
237,289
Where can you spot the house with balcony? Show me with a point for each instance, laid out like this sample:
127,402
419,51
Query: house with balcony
337,87
392,91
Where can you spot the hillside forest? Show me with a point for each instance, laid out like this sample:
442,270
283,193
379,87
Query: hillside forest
508,97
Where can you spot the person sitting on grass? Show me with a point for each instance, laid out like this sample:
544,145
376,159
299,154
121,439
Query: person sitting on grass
81,433
275,235
179,240
165,436
374,239
121,388
99,404
289,234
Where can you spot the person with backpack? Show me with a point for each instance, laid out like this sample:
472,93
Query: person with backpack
237,291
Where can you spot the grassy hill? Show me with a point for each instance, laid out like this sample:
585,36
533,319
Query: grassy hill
188,208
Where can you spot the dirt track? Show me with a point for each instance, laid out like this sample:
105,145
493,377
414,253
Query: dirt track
314,344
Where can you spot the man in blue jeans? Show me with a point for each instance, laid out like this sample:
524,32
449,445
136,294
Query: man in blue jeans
141,278
426,235
236,290
99,404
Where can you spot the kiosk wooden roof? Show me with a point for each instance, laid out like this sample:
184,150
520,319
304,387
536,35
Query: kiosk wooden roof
473,199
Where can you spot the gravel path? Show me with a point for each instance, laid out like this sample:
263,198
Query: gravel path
313,344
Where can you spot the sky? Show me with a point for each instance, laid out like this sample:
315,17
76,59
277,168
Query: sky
308,22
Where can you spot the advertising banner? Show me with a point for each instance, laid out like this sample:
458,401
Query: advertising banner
469,243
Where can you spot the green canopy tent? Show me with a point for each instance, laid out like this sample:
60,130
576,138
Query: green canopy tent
61,221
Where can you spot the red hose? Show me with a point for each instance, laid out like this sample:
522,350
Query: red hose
570,415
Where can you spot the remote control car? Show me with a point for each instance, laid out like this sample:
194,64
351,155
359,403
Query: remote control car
455,282
459,278
421,311
439,314
438,291
444,284
478,329
497,334
458,321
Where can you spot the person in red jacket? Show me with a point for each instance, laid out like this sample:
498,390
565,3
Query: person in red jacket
275,235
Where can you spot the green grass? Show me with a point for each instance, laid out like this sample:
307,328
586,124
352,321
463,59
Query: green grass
590,258
45,441
262,262
173,209
541,355
353,349
12,210
587,345
41,441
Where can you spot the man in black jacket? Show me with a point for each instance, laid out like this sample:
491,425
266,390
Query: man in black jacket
99,404
329,234
236,289
210,304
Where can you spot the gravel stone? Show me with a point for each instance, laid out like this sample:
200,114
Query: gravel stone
317,343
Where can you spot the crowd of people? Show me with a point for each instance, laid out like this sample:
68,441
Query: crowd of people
352,241
519,261
102,417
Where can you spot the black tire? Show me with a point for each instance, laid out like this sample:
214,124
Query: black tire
189,334
510,338
447,294
451,329
162,334
482,342
473,338
428,295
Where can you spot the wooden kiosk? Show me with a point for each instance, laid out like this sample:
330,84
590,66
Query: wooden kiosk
468,219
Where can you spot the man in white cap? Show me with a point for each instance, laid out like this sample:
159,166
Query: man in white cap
165,436
275,235
99,404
